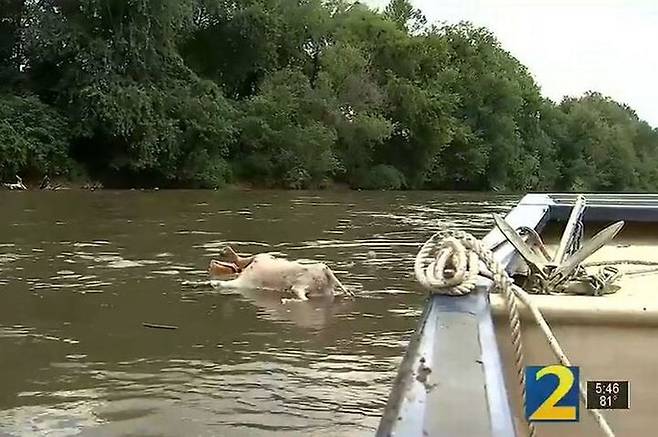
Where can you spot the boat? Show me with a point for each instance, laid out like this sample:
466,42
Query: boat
458,376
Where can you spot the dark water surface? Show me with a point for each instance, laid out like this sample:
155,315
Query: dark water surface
81,271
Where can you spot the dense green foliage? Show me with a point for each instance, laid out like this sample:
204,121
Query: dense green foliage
296,94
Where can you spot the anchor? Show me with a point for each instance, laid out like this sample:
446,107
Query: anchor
564,272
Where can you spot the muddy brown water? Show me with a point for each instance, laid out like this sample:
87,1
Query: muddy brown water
80,272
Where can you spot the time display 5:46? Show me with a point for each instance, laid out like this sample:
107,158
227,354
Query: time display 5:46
608,395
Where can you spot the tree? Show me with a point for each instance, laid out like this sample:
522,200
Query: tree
295,94
12,19
33,139
405,15
283,140
605,145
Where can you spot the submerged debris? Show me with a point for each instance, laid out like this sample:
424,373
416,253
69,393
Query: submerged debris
19,185
157,326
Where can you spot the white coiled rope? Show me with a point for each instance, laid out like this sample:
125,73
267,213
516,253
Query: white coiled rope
449,263
451,256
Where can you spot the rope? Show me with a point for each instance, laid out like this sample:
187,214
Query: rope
641,271
559,353
447,263
637,262
464,271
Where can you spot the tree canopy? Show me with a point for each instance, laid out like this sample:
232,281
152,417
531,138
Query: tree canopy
294,94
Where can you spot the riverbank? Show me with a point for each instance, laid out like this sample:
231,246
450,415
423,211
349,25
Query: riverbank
333,187
92,185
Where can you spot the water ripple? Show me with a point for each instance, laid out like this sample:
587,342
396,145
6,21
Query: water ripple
77,291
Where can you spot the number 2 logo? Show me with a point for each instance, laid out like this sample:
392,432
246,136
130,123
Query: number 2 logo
552,393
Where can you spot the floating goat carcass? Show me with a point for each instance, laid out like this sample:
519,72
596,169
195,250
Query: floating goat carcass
588,264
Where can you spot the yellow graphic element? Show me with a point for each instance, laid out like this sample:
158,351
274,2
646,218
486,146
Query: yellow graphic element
548,410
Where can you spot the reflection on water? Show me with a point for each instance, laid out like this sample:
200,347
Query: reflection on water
80,272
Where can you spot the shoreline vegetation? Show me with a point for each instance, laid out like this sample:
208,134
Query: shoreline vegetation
303,94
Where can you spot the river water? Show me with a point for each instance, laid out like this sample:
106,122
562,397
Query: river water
80,272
